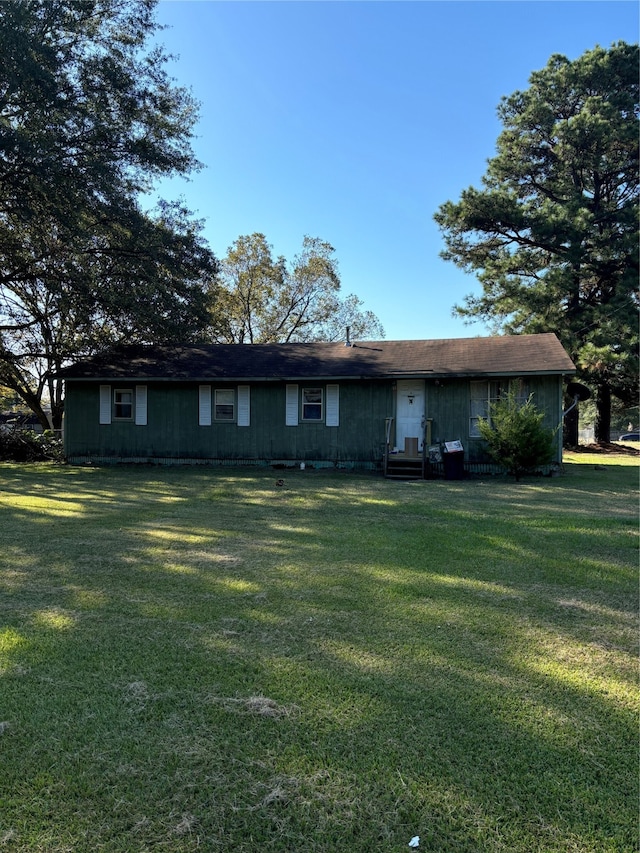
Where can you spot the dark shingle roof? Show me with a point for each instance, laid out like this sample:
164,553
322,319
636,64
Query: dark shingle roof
499,355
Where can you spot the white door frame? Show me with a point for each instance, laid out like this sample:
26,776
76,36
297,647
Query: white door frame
410,411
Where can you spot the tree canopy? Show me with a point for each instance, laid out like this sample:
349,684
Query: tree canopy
552,235
259,299
89,119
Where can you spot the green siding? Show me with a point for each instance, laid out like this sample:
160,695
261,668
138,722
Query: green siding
448,405
172,430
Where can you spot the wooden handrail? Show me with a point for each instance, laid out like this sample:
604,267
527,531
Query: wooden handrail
387,428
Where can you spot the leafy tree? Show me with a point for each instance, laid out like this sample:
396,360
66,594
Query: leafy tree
259,299
552,235
8,399
516,437
89,120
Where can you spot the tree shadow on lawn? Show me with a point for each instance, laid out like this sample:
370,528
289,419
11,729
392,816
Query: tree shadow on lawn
265,682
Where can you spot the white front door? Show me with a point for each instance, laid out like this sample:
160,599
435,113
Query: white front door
410,411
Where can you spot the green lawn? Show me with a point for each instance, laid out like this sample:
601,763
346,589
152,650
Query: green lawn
200,660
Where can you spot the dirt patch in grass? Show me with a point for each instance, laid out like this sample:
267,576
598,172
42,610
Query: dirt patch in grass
261,706
608,449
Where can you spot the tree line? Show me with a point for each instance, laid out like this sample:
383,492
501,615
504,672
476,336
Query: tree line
90,120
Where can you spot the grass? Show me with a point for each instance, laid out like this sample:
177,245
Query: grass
195,659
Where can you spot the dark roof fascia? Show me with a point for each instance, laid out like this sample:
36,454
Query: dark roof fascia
240,379
323,378
468,374
502,373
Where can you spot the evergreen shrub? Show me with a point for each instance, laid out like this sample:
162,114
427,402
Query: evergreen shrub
516,436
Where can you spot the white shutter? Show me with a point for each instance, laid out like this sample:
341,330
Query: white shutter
292,406
244,405
204,405
141,405
333,405
105,404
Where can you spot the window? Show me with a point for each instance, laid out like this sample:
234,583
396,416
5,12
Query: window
483,394
312,404
228,405
123,405
520,389
224,404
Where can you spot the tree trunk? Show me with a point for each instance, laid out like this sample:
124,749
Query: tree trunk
570,427
56,417
603,414
56,397
33,402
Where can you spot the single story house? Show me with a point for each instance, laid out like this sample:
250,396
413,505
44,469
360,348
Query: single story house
369,404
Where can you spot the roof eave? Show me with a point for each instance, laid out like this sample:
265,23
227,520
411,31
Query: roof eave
456,374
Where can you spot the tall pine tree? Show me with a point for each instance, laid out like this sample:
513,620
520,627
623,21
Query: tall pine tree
553,234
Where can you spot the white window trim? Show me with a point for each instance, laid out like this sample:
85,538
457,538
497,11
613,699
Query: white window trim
131,391
217,391
485,399
495,387
321,389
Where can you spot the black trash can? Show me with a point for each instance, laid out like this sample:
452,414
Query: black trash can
453,459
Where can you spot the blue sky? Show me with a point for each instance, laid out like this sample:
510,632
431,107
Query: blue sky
355,121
